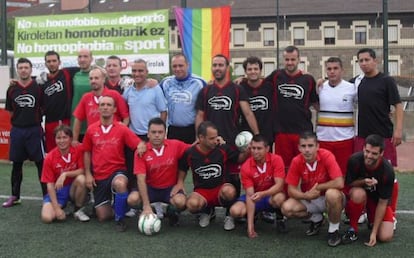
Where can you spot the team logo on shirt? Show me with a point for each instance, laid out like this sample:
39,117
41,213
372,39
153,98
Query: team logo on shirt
220,103
54,88
25,100
259,103
291,91
184,97
209,171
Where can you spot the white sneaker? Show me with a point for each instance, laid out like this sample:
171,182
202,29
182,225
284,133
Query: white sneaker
362,219
131,213
81,216
229,223
204,220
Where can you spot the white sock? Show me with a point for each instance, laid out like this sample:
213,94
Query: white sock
333,227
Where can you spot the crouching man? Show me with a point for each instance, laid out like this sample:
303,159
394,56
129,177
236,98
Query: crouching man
63,174
262,177
321,181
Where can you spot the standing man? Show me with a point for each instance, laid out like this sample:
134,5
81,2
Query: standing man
144,102
113,69
335,122
314,186
208,162
222,103
64,174
181,91
88,107
57,96
24,102
157,172
105,169
370,177
295,93
81,85
376,93
261,95
262,177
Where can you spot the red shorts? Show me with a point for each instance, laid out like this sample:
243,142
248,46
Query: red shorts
371,207
211,196
342,150
49,128
286,145
390,151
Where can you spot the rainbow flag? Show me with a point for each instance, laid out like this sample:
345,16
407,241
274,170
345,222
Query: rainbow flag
204,33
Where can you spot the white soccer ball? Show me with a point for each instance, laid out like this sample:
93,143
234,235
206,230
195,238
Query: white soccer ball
149,224
243,139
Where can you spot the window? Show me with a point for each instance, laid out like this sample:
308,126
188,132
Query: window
268,68
329,35
360,35
393,67
393,33
178,40
299,36
238,37
302,66
268,37
238,69
357,69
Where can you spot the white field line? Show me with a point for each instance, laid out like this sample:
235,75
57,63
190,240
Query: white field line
33,198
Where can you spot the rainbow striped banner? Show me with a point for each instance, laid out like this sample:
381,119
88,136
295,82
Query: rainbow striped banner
204,33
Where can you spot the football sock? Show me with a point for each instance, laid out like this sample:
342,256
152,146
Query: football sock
333,227
394,196
120,205
354,211
16,178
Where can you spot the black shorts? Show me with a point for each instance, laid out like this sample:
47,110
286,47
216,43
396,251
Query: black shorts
185,134
26,143
103,191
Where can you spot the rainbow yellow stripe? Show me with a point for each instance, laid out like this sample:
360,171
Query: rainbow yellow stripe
204,33
336,119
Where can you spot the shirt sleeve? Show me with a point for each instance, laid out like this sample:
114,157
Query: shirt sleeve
201,99
47,171
80,112
182,163
293,176
245,175
140,167
161,102
278,167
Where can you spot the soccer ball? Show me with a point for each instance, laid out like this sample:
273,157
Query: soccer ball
243,140
149,224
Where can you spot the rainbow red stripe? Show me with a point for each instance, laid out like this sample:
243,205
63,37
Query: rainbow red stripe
204,33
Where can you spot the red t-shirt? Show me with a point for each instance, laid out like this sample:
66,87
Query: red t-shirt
55,164
326,169
161,166
251,176
107,149
88,107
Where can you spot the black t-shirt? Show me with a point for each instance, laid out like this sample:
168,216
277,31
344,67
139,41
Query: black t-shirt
221,106
57,95
261,100
294,95
384,174
375,95
209,169
25,102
